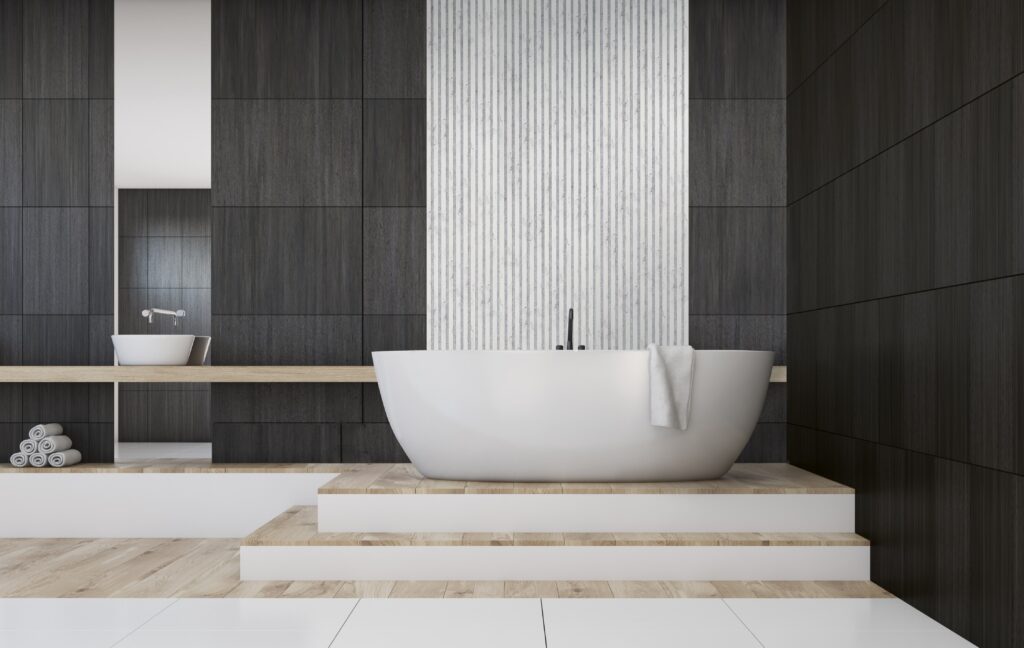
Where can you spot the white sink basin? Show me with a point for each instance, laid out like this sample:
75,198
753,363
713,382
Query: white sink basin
171,350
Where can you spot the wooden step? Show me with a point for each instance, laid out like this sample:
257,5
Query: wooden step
290,547
396,498
297,527
742,479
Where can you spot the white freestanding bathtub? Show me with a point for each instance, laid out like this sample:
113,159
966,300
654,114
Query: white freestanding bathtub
565,415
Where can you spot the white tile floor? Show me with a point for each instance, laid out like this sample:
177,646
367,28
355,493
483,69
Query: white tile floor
455,623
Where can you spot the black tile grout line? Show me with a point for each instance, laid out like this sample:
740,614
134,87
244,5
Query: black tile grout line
917,452
543,623
906,294
342,626
835,51
756,638
139,627
904,139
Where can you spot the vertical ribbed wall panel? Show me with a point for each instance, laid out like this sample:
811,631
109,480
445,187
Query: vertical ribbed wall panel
558,170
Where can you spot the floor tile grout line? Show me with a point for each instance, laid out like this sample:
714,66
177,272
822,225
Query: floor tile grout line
342,626
725,602
543,623
143,624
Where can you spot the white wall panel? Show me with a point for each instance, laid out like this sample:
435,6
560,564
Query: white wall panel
558,169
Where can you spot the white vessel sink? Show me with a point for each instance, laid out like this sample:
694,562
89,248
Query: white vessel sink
171,350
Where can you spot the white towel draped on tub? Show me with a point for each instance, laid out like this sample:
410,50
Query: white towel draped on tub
37,460
54,444
671,378
28,446
19,459
65,458
45,430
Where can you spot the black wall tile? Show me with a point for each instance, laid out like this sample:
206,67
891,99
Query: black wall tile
370,442
395,49
101,349
766,445
738,261
56,150
101,49
234,264
395,155
195,262
11,28
748,332
56,261
10,261
55,339
737,49
285,403
287,153
163,257
10,152
56,49
101,152
287,340
101,261
133,262
395,261
10,340
10,436
299,49
737,153
55,403
276,443
307,261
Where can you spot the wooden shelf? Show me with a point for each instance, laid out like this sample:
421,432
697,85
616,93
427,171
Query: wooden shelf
222,373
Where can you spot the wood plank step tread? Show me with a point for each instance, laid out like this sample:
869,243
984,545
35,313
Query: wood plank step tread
298,527
742,479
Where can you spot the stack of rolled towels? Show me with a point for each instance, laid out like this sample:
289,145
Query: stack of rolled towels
46,445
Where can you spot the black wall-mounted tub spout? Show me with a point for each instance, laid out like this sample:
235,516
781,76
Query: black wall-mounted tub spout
568,340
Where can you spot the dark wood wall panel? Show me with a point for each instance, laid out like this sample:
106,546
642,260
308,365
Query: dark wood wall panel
318,233
906,299
56,225
738,191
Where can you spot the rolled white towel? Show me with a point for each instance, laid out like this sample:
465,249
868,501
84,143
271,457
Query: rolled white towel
37,460
19,459
28,446
44,430
54,444
64,458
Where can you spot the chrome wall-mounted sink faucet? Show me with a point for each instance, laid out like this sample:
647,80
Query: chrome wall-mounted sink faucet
148,313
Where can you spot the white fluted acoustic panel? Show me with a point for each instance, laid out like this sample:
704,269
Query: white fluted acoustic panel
557,163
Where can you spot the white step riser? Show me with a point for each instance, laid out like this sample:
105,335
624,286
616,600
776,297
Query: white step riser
599,513
148,505
555,563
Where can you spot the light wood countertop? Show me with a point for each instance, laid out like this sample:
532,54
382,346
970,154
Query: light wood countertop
213,374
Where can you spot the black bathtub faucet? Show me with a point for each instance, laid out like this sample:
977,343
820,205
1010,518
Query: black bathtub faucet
568,340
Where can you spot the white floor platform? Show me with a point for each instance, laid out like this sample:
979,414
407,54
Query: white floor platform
465,623
594,513
148,505
807,563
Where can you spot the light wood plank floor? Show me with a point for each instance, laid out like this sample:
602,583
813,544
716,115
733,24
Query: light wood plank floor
141,568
